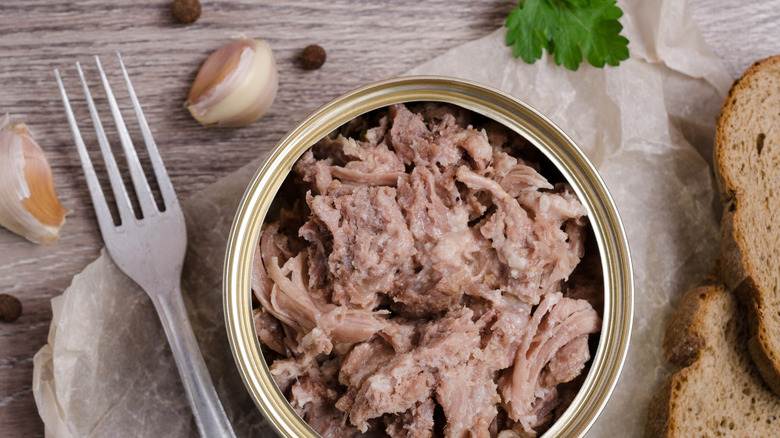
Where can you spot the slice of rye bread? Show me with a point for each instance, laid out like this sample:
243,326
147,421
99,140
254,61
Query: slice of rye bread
717,391
747,168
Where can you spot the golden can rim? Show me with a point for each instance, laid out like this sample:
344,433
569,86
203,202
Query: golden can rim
492,103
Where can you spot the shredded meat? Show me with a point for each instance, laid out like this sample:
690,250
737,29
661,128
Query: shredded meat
417,422
371,242
425,282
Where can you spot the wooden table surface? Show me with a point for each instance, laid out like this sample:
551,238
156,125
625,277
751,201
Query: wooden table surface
365,41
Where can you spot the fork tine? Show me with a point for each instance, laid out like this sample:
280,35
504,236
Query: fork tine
163,181
124,206
142,189
105,221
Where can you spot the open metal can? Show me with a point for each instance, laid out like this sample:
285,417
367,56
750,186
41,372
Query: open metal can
554,144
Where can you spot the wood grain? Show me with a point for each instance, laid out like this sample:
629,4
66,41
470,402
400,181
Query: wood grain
365,41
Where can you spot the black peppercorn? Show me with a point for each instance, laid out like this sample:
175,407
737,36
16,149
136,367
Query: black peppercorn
185,11
10,308
313,57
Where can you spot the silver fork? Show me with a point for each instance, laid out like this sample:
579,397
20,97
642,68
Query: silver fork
149,250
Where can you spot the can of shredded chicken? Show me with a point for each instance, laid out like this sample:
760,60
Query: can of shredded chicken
554,145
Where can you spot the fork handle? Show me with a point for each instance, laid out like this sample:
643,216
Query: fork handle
209,414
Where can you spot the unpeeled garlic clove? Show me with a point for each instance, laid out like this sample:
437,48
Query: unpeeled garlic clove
235,85
28,201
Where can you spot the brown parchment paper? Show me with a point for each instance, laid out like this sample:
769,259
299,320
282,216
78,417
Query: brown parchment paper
647,126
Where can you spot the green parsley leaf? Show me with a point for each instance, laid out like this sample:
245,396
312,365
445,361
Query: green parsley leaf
567,29
579,3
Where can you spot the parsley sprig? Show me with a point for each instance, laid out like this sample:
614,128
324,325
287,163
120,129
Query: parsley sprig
567,29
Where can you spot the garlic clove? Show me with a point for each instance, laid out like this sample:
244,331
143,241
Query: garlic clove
28,201
235,85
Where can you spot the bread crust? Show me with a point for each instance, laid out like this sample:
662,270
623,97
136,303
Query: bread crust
684,340
746,164
715,389
659,410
